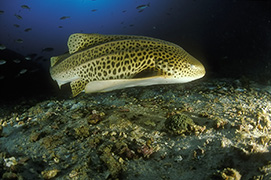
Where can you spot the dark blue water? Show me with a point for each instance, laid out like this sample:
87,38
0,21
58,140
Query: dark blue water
100,16
231,38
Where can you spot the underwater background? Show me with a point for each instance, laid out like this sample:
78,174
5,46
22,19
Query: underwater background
217,127
231,38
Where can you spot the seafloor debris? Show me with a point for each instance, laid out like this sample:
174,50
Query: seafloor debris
228,174
50,173
214,129
180,123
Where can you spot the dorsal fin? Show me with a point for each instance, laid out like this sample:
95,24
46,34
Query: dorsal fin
56,59
80,41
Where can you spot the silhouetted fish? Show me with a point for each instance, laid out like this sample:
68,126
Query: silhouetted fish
16,61
2,47
48,49
28,29
23,71
18,16
28,58
25,7
64,17
2,61
143,6
19,40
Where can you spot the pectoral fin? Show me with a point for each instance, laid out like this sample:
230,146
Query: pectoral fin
77,86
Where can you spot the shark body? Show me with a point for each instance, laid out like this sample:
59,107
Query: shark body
100,63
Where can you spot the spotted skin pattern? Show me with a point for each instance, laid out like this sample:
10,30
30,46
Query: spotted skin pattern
94,57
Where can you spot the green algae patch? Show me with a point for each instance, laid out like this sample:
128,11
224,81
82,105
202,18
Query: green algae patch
82,132
181,124
50,142
115,167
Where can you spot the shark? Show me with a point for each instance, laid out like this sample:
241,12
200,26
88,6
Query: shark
102,63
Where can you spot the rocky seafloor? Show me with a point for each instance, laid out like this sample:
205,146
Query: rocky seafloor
214,129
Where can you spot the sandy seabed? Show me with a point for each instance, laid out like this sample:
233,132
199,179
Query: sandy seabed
214,129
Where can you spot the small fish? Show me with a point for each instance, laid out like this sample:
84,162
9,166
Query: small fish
16,25
141,10
48,49
124,11
18,16
25,7
34,70
1,12
93,10
64,17
23,71
19,41
2,47
17,61
2,77
2,62
28,29
143,6
28,58
60,26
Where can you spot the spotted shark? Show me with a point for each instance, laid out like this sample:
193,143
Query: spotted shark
101,63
